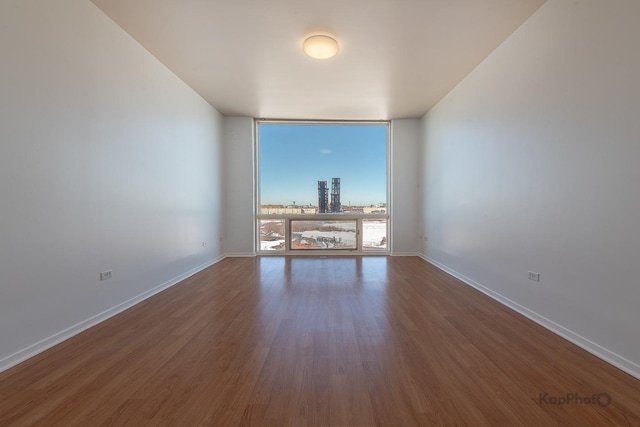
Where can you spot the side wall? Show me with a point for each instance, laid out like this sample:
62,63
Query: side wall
405,138
531,164
239,136
107,162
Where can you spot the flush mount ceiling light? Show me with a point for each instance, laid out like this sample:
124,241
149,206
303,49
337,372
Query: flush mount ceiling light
320,47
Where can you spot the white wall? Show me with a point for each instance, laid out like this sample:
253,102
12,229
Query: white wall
107,162
239,239
531,163
405,136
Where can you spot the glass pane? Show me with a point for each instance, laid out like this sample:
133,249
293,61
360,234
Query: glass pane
307,168
323,234
374,234
272,235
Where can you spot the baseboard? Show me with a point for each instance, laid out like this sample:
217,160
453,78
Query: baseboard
405,254
240,255
45,344
608,356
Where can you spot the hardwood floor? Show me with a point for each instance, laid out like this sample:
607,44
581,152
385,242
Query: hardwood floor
354,341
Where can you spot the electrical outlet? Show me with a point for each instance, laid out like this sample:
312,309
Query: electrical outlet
204,244
106,275
534,276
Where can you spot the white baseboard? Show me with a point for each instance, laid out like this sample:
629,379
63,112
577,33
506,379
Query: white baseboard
240,255
42,345
405,254
597,350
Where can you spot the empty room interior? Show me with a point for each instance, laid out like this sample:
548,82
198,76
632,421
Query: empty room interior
148,276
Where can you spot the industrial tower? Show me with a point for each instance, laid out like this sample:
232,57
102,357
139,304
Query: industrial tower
323,197
335,195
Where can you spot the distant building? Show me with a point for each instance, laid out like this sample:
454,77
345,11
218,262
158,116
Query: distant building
335,195
288,210
323,197
280,210
374,209
353,209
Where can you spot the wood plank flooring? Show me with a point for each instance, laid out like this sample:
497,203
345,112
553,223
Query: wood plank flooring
310,341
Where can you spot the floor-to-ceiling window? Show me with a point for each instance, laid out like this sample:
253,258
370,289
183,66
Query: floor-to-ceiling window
322,186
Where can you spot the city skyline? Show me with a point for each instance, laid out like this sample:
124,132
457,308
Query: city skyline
294,157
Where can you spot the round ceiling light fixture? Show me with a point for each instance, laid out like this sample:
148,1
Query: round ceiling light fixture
320,47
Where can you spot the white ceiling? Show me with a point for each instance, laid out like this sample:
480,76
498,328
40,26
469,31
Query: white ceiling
397,57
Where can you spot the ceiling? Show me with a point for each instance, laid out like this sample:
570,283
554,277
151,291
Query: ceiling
397,57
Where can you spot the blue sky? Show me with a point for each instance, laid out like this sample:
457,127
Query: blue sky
294,157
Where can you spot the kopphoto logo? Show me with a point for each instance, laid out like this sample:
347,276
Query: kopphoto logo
600,399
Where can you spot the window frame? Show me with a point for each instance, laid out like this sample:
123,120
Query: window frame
288,218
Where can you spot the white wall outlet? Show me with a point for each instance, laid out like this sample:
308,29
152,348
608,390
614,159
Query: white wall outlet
106,275
204,244
534,276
